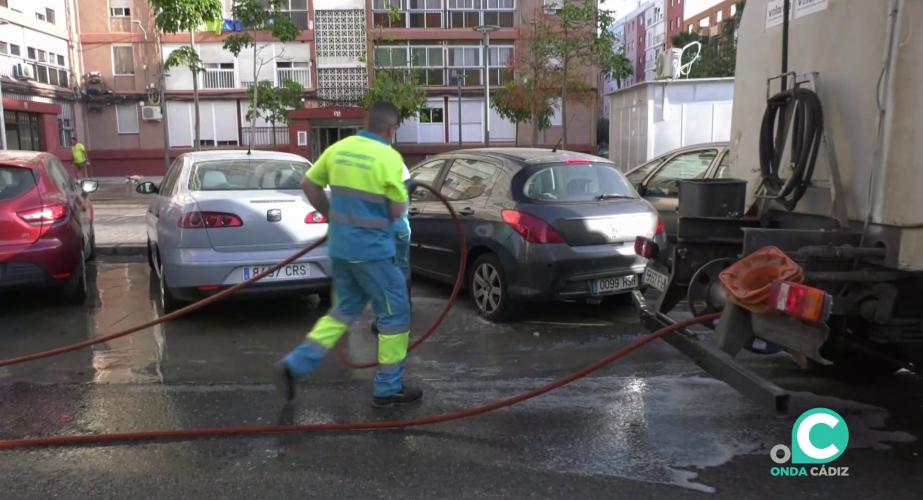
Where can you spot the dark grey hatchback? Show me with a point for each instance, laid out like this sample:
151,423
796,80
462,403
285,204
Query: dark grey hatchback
539,224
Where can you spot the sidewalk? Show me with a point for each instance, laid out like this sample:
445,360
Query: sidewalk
119,217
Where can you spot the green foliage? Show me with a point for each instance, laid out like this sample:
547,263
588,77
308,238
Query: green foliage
185,56
174,16
719,54
254,16
523,102
275,103
398,88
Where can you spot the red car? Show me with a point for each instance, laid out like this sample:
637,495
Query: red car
46,225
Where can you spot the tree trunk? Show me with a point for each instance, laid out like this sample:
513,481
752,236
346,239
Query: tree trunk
534,127
256,91
195,100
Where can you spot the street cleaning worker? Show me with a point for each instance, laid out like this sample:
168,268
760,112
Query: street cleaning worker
367,195
401,248
79,157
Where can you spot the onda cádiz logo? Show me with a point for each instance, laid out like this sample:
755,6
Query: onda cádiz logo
819,437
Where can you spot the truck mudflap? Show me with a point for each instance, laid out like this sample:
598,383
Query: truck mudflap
718,363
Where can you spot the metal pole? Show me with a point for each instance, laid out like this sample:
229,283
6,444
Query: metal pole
486,90
2,119
458,78
785,12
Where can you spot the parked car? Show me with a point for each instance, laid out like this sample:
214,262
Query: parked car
46,225
539,225
658,179
222,217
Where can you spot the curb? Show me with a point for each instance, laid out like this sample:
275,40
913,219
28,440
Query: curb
123,249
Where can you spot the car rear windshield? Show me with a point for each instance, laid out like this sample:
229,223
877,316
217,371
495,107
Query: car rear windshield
15,182
246,175
575,183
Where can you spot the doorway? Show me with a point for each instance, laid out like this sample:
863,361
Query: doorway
323,136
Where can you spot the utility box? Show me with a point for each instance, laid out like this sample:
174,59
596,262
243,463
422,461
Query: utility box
651,118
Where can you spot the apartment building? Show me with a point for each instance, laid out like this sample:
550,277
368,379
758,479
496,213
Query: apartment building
708,18
36,74
94,68
655,37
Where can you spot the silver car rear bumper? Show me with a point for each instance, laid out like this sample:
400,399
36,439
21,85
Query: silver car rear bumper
186,269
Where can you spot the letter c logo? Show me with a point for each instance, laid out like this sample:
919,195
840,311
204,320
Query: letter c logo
818,437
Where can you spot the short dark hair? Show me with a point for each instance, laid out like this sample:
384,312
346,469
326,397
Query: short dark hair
382,115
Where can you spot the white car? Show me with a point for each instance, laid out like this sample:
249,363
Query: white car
222,217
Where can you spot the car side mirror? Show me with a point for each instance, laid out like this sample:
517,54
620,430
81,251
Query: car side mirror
88,186
642,191
147,187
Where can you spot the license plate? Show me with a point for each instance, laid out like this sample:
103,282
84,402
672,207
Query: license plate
656,279
614,284
284,273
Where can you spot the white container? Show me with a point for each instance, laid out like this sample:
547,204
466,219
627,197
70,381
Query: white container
651,118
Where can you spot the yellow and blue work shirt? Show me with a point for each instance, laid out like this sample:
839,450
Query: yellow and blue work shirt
365,175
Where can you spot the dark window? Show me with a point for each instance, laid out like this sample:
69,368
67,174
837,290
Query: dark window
469,179
427,174
53,77
240,175
15,182
60,60
577,183
637,176
31,53
41,73
49,15
14,50
62,78
23,131
123,62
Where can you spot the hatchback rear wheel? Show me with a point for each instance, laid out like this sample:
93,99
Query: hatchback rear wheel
168,304
77,290
488,285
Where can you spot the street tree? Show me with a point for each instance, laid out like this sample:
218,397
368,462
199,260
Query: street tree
719,53
395,84
176,16
579,38
187,57
275,103
259,15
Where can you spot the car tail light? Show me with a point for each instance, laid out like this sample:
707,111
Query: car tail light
530,227
315,217
661,228
47,214
199,220
800,301
645,247
208,288
577,161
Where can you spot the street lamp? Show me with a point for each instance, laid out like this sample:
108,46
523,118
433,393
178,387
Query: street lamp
486,30
460,80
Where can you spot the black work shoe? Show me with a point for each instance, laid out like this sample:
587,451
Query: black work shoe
285,382
407,395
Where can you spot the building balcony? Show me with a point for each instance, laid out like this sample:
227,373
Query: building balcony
223,78
301,76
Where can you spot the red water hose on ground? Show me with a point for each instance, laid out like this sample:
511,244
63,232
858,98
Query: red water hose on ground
229,291
181,434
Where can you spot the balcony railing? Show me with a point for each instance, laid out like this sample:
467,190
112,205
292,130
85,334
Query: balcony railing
218,79
263,136
298,75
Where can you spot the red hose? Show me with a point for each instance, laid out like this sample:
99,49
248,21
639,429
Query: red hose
229,291
178,434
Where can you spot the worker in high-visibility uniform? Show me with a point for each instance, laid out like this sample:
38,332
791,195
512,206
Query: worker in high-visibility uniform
401,249
367,195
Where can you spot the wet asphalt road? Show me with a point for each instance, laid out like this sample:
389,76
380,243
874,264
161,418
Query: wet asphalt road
653,425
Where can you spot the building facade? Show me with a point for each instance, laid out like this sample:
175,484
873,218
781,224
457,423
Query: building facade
37,74
674,21
708,21
118,78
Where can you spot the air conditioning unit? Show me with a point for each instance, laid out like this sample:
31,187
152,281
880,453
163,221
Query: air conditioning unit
151,113
668,64
23,72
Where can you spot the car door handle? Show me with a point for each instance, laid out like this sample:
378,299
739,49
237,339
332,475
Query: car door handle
466,211
414,211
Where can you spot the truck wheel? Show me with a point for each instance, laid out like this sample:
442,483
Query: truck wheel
488,286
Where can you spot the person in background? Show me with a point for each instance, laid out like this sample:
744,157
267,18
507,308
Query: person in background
79,157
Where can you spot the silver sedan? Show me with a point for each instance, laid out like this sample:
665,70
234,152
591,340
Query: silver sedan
222,217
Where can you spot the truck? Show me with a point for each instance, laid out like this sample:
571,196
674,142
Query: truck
826,165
